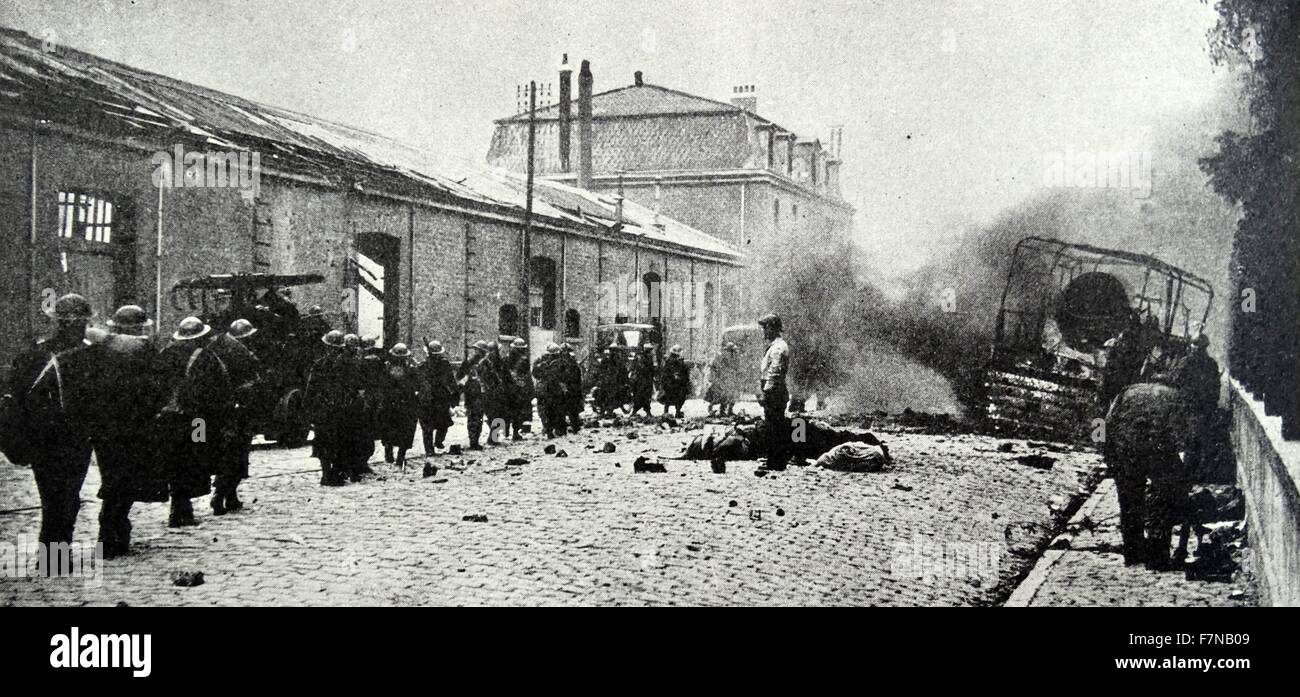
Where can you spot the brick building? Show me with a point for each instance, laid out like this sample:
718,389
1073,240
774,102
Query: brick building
117,183
717,166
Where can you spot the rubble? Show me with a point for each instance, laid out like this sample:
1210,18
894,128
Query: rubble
516,461
429,470
1023,538
1037,461
474,518
1216,503
718,465
1219,557
561,453
549,449
187,579
608,448
644,465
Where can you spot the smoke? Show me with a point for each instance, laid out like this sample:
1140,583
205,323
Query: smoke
868,351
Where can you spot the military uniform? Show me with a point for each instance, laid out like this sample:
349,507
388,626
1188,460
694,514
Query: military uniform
471,385
520,381
610,384
126,403
675,379
438,394
493,377
550,392
230,466
399,405
642,379
570,374
323,396
1145,431
59,444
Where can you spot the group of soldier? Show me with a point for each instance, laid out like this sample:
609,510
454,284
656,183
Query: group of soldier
176,423
170,424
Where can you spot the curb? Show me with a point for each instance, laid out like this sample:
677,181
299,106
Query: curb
1024,594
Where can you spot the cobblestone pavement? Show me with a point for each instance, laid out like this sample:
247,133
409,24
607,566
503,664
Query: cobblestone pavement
1092,573
587,530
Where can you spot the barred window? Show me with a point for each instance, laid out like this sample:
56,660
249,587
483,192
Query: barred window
85,216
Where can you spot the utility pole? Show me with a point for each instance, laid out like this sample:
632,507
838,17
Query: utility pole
528,206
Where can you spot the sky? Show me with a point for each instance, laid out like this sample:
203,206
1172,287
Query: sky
949,107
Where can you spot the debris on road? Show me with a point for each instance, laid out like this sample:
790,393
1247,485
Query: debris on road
1007,447
475,518
561,453
608,448
187,579
1213,503
1023,538
646,465
1037,461
429,470
549,449
900,486
718,465
853,457
516,461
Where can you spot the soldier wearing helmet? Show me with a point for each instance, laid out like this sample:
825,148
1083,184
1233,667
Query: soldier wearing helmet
642,375
571,376
244,373
58,449
550,391
324,391
470,383
675,379
519,393
438,394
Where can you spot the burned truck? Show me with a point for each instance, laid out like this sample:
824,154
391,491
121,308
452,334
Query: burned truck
1061,309
286,342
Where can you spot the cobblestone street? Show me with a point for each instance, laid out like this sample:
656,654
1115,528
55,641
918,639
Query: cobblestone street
587,530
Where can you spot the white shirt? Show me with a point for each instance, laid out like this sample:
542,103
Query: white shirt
776,362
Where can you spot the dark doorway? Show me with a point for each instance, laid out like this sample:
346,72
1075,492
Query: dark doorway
541,293
376,277
508,320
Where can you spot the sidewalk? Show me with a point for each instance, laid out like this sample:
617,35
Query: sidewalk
1091,571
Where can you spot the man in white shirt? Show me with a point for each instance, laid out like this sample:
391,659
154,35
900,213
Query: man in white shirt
774,393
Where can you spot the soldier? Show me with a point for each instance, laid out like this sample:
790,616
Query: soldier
550,391
59,453
494,379
236,435
125,405
571,377
774,392
399,404
359,380
723,388
520,376
471,385
200,398
642,378
371,363
323,393
675,378
609,381
1146,431
1197,376
438,394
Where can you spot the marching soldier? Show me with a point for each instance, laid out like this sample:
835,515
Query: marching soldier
399,405
675,378
357,407
494,378
59,453
609,383
550,391
236,435
642,378
571,377
471,385
774,392
126,403
520,376
200,398
321,397
438,394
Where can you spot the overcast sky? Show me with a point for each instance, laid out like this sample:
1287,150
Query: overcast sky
949,106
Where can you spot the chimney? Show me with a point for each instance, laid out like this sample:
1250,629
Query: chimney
566,111
745,97
584,125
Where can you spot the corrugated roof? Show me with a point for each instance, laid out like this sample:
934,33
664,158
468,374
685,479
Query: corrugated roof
92,92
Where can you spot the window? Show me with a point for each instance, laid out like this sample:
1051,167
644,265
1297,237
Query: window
508,320
572,325
84,215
